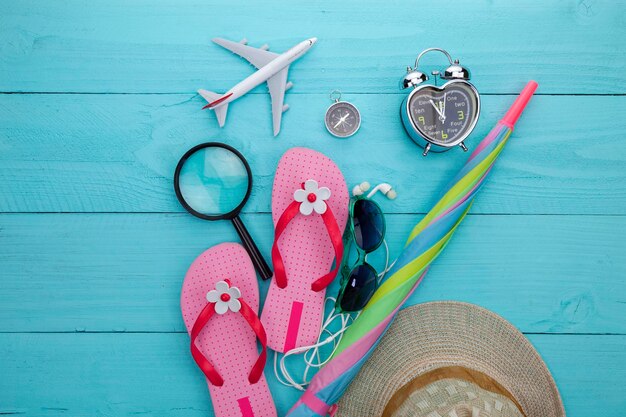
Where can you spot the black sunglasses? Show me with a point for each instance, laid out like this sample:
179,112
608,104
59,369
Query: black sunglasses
366,229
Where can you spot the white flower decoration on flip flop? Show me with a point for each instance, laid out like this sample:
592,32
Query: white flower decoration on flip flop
312,197
225,297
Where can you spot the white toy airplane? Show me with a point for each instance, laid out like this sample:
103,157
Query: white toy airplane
272,68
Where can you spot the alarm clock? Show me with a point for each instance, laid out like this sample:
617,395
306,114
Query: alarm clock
439,117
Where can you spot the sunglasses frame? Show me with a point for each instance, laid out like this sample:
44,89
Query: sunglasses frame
349,239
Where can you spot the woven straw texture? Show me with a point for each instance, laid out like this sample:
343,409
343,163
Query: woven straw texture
441,334
456,398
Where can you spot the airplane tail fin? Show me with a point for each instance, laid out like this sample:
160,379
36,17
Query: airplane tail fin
220,111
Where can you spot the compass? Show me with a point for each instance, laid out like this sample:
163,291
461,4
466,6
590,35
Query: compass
342,118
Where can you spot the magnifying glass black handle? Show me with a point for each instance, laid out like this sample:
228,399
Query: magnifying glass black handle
258,260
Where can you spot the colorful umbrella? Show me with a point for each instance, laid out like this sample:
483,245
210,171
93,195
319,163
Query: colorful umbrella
424,244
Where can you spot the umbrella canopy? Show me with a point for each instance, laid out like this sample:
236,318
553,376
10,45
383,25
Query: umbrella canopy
425,243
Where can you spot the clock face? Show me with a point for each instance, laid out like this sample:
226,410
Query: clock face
342,119
444,115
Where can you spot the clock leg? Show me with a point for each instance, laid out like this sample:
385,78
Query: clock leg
426,149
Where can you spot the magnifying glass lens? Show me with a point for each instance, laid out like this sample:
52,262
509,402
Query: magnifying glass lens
213,181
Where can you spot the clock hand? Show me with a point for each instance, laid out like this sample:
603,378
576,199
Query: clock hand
444,105
438,111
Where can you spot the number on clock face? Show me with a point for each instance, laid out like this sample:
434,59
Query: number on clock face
443,115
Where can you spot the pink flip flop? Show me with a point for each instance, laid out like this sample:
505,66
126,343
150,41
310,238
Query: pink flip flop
310,211
220,301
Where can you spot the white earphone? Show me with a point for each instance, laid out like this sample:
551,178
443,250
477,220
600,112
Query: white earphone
361,188
384,188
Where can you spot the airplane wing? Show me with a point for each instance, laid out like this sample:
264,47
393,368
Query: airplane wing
276,85
257,57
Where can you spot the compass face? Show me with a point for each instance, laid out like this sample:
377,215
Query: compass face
444,115
342,119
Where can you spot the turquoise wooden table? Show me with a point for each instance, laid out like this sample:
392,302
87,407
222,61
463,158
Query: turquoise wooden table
98,103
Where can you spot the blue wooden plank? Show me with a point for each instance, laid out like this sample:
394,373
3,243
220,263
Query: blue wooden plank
117,153
556,274
128,374
120,272
143,46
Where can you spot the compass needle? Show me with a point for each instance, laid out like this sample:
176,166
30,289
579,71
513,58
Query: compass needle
342,120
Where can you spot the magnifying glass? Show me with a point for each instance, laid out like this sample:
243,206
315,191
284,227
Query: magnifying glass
213,182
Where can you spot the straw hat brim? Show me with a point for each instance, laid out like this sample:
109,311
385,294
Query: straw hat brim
448,333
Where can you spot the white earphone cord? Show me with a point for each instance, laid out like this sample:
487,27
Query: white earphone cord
313,352
309,353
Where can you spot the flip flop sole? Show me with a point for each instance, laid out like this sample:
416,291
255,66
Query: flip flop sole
292,316
227,340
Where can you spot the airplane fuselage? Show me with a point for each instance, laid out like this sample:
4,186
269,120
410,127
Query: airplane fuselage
266,72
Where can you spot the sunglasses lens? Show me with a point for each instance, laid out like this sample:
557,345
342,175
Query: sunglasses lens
359,289
369,225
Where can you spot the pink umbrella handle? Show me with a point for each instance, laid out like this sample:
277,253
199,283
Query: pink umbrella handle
511,116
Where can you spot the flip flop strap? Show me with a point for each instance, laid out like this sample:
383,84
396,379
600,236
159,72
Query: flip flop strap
332,228
277,260
253,320
203,363
211,373
336,238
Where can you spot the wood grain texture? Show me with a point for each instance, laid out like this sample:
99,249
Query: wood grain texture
97,103
119,46
122,272
112,153
129,374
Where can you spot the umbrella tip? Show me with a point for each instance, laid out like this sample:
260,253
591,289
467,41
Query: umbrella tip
511,116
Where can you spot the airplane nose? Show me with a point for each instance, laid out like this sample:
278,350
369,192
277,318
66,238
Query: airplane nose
312,40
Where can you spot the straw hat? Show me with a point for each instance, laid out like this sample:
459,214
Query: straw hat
451,359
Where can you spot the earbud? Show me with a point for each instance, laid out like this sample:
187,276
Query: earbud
360,189
391,194
384,188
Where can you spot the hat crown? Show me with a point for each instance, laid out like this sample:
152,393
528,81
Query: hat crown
452,397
